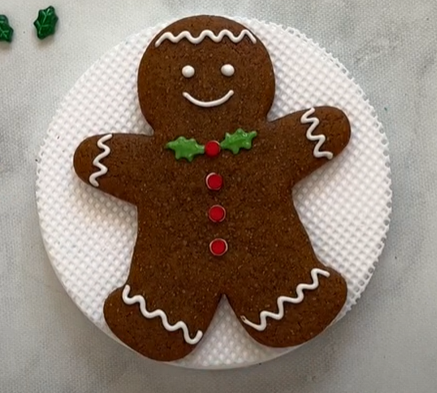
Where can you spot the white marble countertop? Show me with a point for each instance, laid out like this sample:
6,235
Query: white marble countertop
388,343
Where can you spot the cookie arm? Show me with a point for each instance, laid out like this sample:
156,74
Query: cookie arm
313,136
113,163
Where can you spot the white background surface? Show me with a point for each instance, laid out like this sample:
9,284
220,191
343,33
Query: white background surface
388,343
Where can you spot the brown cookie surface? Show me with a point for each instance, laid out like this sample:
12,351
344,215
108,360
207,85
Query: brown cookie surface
229,195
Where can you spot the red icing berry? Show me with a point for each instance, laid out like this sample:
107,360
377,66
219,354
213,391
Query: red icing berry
212,149
217,213
214,181
218,247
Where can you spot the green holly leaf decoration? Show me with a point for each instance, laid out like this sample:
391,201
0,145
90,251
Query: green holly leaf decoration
238,140
185,148
46,23
6,31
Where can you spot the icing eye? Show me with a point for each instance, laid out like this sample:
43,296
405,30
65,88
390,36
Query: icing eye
188,71
228,70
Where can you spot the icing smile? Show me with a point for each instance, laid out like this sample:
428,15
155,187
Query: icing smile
209,104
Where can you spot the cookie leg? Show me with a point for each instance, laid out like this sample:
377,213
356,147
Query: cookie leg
162,316
282,294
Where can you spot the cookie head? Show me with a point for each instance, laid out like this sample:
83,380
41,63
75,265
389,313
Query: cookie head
205,74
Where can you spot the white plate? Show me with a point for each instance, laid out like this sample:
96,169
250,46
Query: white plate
89,236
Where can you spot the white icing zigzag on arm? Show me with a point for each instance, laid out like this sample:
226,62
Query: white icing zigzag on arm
102,168
314,121
161,314
205,33
285,299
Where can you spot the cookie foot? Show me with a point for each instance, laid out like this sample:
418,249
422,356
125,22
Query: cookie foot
299,315
146,330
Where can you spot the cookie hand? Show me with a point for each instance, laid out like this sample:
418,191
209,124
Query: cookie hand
313,136
110,161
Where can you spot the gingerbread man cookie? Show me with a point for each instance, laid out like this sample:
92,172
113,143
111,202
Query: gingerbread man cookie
212,188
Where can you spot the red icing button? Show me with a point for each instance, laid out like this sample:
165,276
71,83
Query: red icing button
214,181
212,149
218,247
217,213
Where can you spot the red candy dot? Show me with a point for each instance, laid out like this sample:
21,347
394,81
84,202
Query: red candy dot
218,247
212,149
214,181
217,213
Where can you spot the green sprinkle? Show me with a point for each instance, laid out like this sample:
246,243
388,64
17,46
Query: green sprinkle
46,23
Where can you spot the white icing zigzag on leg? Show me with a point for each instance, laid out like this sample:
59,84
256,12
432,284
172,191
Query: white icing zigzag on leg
320,139
102,168
161,314
285,299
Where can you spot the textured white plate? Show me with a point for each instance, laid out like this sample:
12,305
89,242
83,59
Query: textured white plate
89,236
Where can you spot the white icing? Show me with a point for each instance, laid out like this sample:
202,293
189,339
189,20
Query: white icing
314,121
161,314
102,168
205,33
285,299
188,71
209,104
228,70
